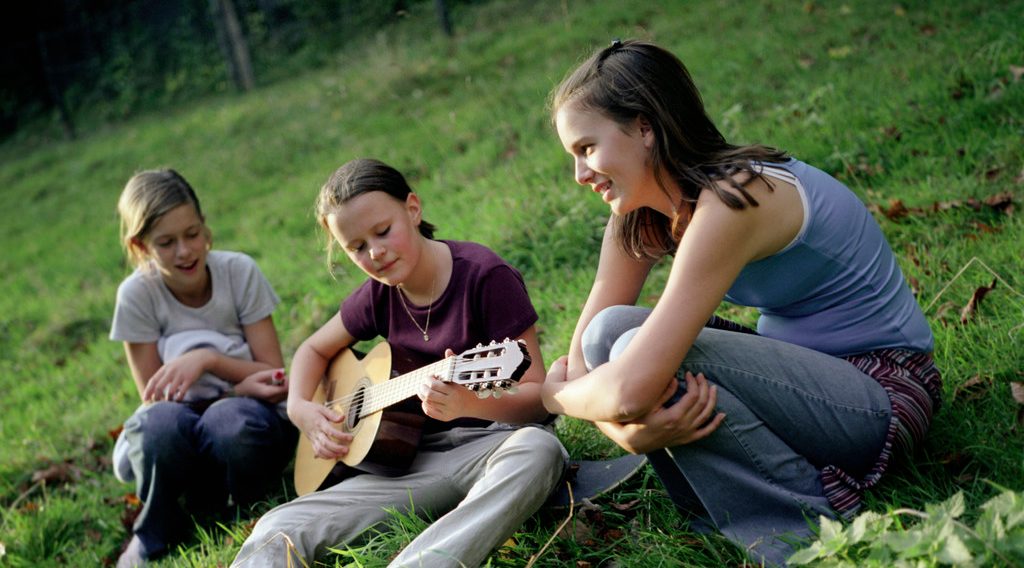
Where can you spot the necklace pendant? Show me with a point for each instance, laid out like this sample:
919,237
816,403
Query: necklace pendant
426,337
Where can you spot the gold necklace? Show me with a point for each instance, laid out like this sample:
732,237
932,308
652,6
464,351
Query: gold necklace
401,294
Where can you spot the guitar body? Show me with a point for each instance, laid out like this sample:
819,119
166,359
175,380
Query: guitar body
387,439
386,435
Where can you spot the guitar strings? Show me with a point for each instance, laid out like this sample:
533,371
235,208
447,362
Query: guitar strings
389,387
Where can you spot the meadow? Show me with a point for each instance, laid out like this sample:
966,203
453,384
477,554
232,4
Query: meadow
918,106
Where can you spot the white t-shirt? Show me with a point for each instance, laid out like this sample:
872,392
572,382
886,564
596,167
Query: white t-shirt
147,312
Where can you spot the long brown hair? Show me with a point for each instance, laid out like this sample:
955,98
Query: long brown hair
631,79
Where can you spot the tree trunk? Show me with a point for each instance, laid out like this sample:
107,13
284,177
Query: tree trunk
55,91
233,43
443,18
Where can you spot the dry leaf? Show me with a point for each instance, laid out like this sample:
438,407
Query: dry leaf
1017,391
1016,71
57,473
940,313
115,432
973,389
625,506
971,309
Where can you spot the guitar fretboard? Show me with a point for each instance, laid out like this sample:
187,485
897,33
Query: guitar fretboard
380,396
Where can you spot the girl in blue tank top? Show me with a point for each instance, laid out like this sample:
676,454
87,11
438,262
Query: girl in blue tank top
752,432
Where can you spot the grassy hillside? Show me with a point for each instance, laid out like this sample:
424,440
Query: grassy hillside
920,102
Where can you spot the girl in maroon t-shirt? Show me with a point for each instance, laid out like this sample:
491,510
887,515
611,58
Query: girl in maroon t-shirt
480,475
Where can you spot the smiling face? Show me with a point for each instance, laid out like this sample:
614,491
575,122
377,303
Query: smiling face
380,234
178,244
611,158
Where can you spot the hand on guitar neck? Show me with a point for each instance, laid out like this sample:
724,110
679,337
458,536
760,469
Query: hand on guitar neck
355,395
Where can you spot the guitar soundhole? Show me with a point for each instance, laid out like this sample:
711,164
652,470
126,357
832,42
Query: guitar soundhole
355,410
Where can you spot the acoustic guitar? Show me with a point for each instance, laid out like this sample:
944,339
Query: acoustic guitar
362,391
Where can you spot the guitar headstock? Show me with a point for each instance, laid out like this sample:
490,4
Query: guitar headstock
494,367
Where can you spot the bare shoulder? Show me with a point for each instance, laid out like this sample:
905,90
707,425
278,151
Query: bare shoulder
776,219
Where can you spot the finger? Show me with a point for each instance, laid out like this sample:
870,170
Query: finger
709,428
448,353
670,389
331,414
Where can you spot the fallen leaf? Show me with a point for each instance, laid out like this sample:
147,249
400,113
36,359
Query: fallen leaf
1001,201
115,432
972,389
1017,391
625,506
1016,71
58,473
943,309
971,309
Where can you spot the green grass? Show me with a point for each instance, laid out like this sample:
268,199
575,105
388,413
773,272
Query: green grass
915,102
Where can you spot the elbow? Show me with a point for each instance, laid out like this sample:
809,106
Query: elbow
630,404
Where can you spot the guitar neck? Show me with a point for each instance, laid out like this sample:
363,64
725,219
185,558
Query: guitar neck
380,396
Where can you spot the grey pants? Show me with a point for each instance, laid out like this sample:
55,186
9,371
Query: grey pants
482,483
789,412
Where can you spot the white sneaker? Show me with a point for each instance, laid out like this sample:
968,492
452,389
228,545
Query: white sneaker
132,556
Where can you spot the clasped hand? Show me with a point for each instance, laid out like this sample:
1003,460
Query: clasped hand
173,379
270,385
689,419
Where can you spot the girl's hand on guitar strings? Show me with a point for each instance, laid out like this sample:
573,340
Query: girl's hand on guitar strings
323,428
444,401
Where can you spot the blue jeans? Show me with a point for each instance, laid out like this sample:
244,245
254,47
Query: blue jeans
236,448
789,412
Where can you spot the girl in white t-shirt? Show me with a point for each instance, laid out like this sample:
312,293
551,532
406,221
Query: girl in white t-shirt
202,349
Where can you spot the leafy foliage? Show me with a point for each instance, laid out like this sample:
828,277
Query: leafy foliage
938,538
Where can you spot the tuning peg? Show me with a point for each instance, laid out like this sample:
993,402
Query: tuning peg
483,393
479,345
512,390
496,393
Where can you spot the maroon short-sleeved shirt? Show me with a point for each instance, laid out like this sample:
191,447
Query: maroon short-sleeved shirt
486,299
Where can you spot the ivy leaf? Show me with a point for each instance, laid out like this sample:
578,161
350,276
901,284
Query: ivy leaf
807,555
954,551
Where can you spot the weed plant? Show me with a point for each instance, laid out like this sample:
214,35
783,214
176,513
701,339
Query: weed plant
919,104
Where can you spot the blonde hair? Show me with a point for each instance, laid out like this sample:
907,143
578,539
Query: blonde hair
355,178
148,196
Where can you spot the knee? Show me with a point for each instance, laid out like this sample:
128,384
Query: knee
162,429
602,331
236,420
542,452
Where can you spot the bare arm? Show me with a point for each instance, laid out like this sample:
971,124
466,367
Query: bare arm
618,281
174,377
445,401
144,361
318,422
717,244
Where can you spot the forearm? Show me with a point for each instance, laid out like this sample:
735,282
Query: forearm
606,394
231,369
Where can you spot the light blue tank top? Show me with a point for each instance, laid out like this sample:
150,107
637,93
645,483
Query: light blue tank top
836,287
